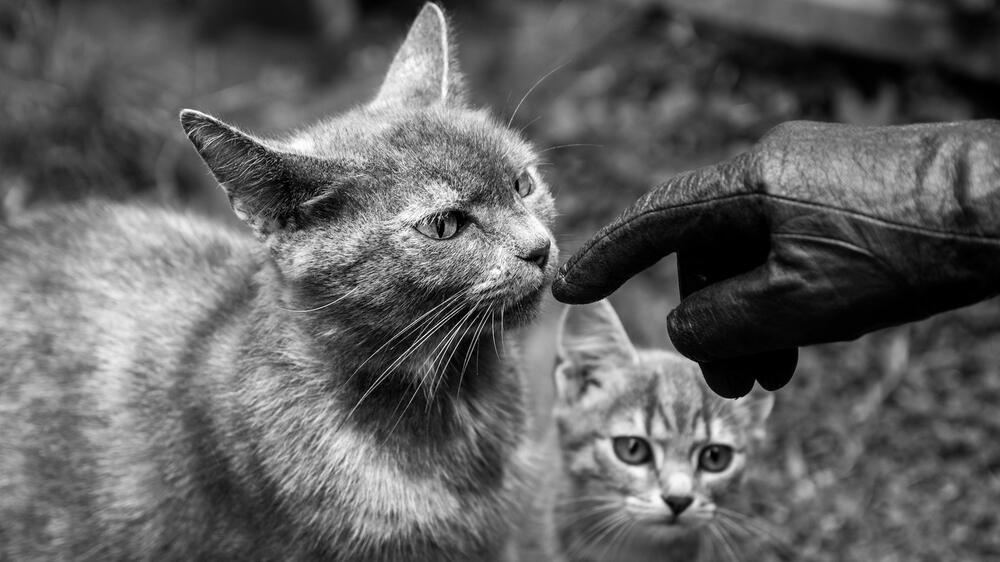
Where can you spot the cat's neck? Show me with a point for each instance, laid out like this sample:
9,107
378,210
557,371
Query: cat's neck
344,451
390,390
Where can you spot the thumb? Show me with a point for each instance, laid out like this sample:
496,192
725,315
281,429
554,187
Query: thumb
733,378
735,329
741,316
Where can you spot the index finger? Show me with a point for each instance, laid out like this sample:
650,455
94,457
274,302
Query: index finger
685,208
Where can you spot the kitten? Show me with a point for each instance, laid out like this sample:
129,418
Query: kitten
173,390
643,455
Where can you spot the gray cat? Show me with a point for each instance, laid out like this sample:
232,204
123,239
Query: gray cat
333,389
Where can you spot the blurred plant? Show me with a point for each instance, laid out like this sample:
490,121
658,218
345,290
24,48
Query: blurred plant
82,114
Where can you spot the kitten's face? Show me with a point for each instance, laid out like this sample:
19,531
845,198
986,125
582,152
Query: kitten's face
413,214
643,439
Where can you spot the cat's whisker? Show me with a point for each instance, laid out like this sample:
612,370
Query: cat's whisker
327,305
423,337
465,363
432,370
531,89
571,145
503,344
412,325
494,333
413,395
528,124
439,363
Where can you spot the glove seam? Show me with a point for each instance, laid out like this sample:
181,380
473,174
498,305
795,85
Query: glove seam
829,208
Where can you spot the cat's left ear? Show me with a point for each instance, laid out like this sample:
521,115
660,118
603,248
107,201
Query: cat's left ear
424,70
593,349
265,186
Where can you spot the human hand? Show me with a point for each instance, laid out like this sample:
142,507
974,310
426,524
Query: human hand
819,233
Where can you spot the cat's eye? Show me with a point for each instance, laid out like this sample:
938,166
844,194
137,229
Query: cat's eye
524,185
632,450
441,226
715,458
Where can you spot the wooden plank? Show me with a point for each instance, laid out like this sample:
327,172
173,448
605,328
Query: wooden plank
901,30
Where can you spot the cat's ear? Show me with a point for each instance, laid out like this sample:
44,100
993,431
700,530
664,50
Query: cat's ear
424,70
592,347
264,185
753,410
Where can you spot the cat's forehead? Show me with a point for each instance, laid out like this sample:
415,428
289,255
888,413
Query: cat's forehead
465,153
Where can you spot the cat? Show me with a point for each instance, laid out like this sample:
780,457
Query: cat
325,385
641,456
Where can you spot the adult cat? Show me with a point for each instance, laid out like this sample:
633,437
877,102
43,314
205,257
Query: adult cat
173,390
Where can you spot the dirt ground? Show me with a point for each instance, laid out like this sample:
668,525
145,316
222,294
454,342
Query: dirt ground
881,449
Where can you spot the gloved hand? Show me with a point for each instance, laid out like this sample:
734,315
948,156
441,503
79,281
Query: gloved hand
819,233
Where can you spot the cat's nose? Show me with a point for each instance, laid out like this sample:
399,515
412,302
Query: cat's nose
538,254
678,504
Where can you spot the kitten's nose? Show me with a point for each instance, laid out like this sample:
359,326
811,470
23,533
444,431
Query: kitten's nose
538,254
678,504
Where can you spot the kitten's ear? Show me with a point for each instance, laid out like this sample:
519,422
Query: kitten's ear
753,410
264,185
424,71
592,346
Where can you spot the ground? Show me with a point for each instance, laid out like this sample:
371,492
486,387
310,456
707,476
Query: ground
880,449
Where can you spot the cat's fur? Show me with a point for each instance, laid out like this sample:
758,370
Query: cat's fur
173,390
592,506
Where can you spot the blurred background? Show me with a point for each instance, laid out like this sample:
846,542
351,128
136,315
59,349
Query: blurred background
887,448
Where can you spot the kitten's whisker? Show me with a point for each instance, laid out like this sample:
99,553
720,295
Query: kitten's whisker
729,540
624,535
618,522
756,528
531,89
723,542
327,305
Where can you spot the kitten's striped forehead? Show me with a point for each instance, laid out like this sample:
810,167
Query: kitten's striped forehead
675,402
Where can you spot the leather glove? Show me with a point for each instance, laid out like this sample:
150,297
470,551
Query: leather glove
819,233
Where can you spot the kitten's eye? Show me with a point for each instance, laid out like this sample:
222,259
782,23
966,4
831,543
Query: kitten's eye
523,184
632,450
715,458
441,226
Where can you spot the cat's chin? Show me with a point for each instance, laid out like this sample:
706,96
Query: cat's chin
518,311
662,531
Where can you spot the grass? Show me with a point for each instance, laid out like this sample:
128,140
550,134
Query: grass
880,449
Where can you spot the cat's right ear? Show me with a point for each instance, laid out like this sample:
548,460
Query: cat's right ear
264,186
592,347
424,70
